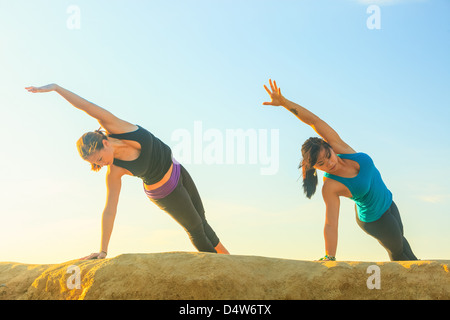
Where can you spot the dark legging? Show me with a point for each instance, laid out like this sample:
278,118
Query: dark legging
185,206
388,230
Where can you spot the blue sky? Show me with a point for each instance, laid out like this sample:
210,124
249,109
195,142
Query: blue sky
169,64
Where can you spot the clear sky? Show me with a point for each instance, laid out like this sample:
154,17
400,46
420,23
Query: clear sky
192,72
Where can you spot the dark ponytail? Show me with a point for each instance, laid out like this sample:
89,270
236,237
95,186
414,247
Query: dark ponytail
309,181
310,152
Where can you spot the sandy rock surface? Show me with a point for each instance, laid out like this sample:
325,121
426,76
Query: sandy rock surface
205,276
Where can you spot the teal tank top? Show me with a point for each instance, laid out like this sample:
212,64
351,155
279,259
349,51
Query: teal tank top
369,192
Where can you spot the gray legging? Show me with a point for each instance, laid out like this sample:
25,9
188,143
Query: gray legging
388,230
185,206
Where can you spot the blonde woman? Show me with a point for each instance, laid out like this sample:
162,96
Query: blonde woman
128,149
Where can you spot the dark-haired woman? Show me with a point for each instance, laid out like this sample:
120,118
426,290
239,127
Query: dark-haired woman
347,174
128,149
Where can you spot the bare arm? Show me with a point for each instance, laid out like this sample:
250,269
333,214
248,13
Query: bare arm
113,187
309,118
332,203
106,119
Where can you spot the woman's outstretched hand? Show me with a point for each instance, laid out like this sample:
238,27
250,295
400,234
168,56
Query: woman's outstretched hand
275,95
95,255
47,88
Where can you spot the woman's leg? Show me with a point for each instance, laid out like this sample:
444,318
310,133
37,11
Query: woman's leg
197,201
406,247
388,230
185,206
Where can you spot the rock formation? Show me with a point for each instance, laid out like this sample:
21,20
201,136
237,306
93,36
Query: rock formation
205,276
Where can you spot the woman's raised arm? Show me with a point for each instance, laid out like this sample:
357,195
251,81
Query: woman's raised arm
106,119
306,116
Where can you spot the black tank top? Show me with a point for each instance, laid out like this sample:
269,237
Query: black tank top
155,158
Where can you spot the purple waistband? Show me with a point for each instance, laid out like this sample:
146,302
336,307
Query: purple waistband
167,187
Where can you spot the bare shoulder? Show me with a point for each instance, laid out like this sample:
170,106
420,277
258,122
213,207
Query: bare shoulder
332,137
332,188
340,147
118,126
115,173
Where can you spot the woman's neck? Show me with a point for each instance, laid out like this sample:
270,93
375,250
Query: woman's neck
119,147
